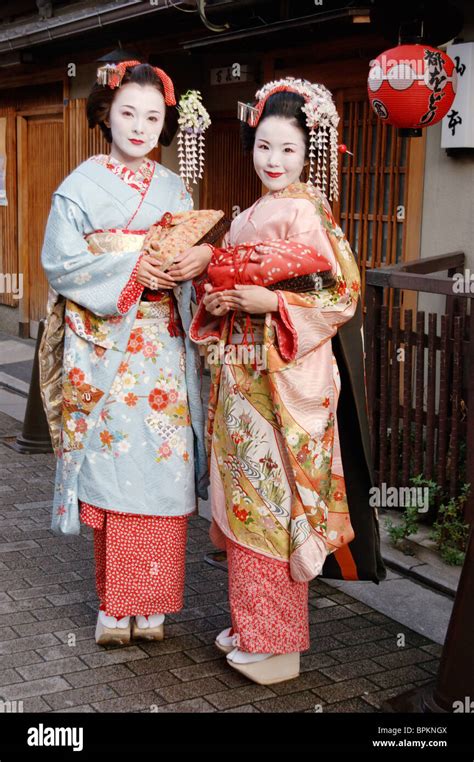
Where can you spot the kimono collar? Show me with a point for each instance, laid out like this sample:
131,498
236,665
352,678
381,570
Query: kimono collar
138,180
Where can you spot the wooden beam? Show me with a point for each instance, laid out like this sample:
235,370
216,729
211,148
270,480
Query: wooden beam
414,211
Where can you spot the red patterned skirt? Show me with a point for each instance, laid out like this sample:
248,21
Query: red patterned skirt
140,561
269,610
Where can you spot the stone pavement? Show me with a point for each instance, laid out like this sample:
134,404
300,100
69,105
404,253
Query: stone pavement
48,607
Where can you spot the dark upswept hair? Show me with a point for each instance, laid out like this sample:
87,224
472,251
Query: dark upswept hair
101,97
284,104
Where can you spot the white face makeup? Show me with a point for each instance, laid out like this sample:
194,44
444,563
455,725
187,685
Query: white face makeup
279,152
136,120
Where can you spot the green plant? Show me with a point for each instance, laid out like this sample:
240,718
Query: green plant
409,525
411,514
450,532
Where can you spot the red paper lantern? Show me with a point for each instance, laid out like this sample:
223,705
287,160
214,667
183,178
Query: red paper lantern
412,86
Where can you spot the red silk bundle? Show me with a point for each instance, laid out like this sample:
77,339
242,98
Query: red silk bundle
283,261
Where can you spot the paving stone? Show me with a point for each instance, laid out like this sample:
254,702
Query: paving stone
9,676
72,611
99,675
35,592
366,634
66,598
142,683
377,698
77,696
147,703
79,648
346,689
51,668
160,663
431,666
7,633
321,603
112,655
191,689
399,676
27,644
38,628
9,547
189,706
314,661
32,704
19,659
292,702
170,644
354,653
432,648
348,670
329,614
351,705
42,687
204,653
205,669
402,657
230,678
75,710
247,694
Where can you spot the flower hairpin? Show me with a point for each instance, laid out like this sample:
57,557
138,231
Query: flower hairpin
193,121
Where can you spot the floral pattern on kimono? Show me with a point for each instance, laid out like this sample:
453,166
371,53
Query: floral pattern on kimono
90,255
277,483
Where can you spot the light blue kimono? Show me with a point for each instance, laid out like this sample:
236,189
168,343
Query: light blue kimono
93,198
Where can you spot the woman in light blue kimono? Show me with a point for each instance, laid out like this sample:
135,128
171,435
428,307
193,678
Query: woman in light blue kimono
129,444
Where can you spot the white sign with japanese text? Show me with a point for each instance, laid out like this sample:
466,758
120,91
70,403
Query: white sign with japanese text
458,125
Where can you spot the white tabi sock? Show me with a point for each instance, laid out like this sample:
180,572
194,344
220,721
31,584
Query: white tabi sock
145,622
243,657
111,621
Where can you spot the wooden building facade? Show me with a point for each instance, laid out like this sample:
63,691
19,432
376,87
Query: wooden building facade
381,186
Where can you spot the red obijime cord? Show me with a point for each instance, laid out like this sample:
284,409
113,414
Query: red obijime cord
241,279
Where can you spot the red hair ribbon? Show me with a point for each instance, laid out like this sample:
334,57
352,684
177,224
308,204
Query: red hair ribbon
115,74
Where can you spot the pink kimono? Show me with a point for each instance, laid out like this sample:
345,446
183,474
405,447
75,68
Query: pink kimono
278,495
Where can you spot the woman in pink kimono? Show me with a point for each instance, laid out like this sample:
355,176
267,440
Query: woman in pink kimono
279,503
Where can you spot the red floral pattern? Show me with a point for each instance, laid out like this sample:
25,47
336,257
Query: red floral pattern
140,561
269,610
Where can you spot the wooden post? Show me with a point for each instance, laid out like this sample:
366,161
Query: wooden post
373,301
23,258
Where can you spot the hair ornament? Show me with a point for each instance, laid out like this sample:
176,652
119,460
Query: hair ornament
322,121
193,121
111,75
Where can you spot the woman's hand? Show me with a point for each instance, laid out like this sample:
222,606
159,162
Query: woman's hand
190,263
214,303
254,299
147,271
